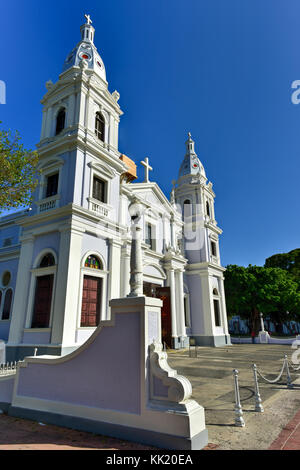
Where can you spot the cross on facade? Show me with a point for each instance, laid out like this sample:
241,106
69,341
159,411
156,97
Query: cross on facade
88,19
147,169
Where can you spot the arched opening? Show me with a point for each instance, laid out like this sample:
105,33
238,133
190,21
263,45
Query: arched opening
217,312
60,121
43,294
91,294
6,277
47,260
93,262
100,126
7,305
207,208
187,208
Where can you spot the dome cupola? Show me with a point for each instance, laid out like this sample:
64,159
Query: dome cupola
86,51
191,164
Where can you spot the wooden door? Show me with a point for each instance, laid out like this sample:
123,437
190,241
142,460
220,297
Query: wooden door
163,293
42,301
91,301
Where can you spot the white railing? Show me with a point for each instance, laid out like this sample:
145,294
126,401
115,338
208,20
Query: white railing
99,208
47,204
9,368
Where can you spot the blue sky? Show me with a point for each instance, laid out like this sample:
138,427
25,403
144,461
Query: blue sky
219,69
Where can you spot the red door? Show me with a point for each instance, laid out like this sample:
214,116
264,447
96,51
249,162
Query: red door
163,293
42,301
91,301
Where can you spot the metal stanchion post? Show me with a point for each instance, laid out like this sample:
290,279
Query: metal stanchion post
258,402
239,421
289,379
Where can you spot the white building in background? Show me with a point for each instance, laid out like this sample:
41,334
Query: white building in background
63,260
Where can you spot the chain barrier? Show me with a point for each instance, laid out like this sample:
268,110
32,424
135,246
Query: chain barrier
277,378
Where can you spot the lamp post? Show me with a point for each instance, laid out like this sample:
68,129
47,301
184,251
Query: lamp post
136,263
262,322
264,336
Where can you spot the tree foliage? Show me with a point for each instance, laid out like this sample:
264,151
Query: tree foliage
256,289
18,175
288,261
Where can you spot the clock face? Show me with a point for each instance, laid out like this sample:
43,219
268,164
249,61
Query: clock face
99,64
85,56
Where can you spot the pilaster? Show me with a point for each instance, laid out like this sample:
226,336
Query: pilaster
21,292
68,277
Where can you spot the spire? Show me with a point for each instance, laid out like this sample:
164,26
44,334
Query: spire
87,30
190,145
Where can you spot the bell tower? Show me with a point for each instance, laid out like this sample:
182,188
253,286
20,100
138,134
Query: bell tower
204,280
79,136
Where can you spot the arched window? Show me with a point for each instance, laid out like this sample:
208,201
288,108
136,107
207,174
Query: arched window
6,278
99,126
60,121
207,209
217,307
187,208
7,305
93,262
213,247
47,260
217,312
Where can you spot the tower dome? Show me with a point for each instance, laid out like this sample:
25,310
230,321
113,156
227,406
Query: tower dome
87,51
191,164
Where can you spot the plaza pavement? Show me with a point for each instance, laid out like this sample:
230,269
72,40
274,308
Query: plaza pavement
213,387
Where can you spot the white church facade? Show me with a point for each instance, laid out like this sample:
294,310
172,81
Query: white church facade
65,258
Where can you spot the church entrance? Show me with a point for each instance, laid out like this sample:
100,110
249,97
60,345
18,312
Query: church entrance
42,301
91,301
163,293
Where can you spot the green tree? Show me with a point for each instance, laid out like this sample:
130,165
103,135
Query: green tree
288,261
18,175
256,289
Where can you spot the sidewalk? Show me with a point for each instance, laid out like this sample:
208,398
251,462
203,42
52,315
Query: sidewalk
289,438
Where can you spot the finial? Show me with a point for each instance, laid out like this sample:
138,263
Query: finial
88,19
190,135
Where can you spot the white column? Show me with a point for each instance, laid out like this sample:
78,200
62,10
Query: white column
90,114
223,307
81,117
207,305
173,236
123,209
125,272
71,110
111,131
164,221
43,123
181,319
49,123
65,312
116,133
21,291
171,281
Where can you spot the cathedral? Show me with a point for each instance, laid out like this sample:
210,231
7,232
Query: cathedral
65,258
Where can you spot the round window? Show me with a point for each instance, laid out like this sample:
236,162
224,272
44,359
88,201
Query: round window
6,278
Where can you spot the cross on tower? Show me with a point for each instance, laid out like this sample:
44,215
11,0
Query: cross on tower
88,19
147,169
